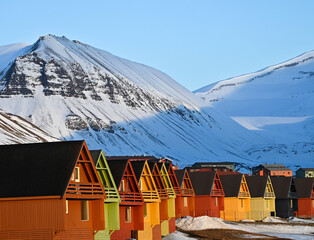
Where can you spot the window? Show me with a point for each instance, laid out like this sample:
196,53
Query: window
242,203
84,210
283,172
267,203
128,214
76,174
216,201
122,186
66,206
313,203
291,203
185,201
145,210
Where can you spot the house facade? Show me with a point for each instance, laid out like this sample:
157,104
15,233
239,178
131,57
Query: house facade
305,173
272,170
305,192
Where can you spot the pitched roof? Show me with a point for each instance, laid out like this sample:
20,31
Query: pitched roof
152,165
307,169
117,168
231,184
202,182
304,187
281,186
39,169
180,175
136,157
257,185
275,167
138,167
95,155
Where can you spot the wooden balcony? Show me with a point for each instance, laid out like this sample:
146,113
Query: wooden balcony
217,192
244,195
85,190
131,198
177,190
163,194
171,192
187,192
269,195
150,196
112,194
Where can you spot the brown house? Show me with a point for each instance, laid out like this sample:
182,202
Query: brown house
49,191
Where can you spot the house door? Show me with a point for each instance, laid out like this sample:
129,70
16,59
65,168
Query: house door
134,234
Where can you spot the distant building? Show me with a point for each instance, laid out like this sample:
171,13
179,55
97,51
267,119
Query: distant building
272,170
305,172
215,165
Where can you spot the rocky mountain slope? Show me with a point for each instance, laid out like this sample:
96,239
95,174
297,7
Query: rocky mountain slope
276,103
75,91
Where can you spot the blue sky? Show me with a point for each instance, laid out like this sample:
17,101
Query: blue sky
195,42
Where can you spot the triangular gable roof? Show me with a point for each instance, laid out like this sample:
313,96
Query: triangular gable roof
166,179
181,175
162,191
138,167
232,184
202,182
105,175
173,179
117,168
304,187
257,185
283,187
39,169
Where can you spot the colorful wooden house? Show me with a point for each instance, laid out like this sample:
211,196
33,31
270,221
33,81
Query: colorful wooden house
272,170
152,228
209,195
237,197
49,191
262,197
185,204
168,226
304,172
286,201
131,207
112,201
305,192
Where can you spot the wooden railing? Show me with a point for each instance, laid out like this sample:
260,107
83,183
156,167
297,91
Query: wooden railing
150,195
244,195
130,197
111,192
187,192
171,192
163,194
217,192
269,195
85,188
177,190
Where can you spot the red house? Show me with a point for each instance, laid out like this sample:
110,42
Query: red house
209,195
305,193
185,204
49,191
131,206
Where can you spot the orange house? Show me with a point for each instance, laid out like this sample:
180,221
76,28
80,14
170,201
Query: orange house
131,205
305,192
49,191
185,204
272,170
209,195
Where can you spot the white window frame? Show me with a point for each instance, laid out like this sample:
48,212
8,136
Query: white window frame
84,210
185,201
77,174
66,206
122,185
128,214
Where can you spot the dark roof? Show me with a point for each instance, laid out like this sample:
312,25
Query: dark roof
281,186
138,167
180,175
117,168
304,187
231,184
159,164
306,169
202,182
143,157
151,165
95,155
275,167
39,169
257,185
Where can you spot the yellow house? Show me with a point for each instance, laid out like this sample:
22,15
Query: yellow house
262,197
237,197
152,228
168,225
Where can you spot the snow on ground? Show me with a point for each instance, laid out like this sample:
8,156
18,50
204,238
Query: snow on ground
273,219
280,230
177,236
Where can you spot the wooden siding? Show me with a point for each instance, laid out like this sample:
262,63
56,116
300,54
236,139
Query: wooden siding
27,235
77,234
33,215
172,224
149,189
262,208
306,208
208,206
237,209
152,219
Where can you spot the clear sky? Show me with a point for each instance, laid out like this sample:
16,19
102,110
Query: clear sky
196,42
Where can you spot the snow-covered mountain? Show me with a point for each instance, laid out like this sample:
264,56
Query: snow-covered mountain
75,91
14,129
277,103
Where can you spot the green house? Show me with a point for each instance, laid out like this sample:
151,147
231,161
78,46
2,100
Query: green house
112,201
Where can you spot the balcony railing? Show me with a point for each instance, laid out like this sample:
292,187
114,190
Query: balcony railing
84,188
171,192
150,195
130,197
188,192
111,193
269,195
217,192
177,190
244,195
163,193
